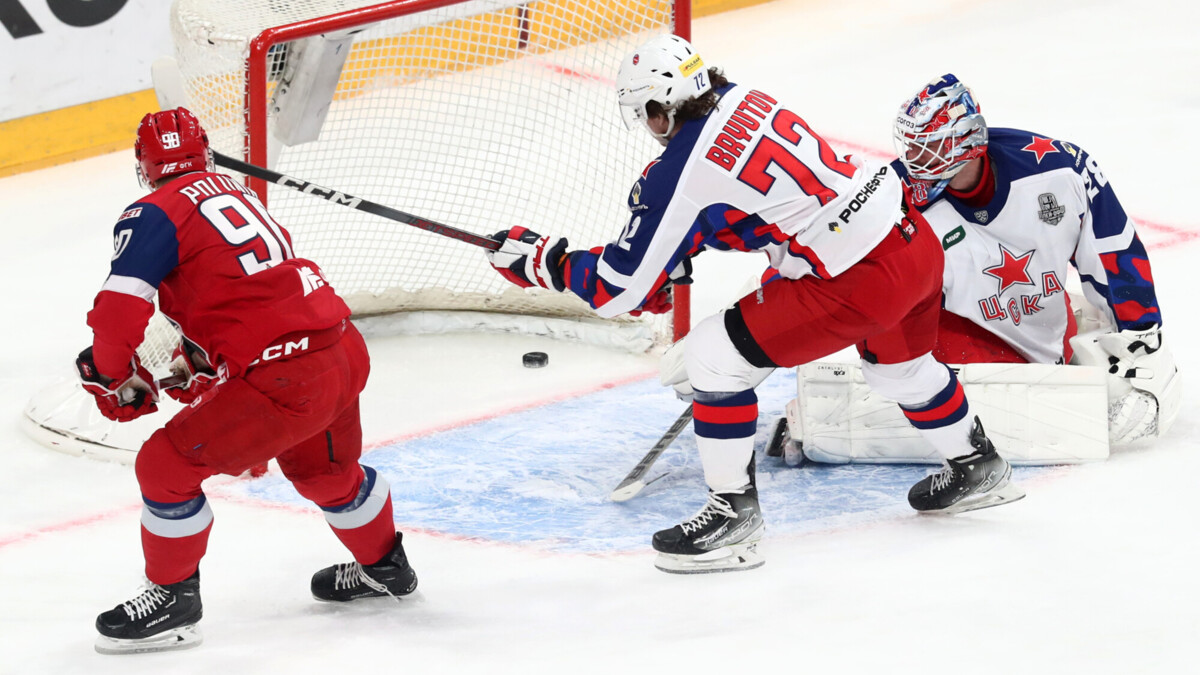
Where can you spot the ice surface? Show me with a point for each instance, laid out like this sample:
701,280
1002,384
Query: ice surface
499,472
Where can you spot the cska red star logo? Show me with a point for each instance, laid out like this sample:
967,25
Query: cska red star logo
1040,147
1012,270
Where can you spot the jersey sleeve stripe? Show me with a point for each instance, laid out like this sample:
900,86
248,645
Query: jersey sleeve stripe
129,286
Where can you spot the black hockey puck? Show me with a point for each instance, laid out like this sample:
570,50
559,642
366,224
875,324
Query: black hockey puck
535,359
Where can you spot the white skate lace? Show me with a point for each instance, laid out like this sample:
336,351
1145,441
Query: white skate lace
942,479
147,602
350,575
715,506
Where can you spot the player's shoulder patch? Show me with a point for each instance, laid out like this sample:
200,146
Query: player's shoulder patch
655,182
1033,153
132,212
635,197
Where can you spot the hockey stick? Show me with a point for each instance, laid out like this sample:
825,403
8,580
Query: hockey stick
169,382
172,381
354,202
633,483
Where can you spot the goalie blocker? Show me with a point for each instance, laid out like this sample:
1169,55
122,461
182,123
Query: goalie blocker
1039,414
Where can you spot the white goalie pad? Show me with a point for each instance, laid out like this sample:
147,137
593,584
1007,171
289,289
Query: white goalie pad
1035,414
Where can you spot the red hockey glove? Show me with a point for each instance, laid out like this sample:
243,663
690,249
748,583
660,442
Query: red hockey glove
526,258
657,303
187,360
122,401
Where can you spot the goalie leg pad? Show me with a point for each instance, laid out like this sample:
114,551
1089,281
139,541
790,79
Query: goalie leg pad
1035,414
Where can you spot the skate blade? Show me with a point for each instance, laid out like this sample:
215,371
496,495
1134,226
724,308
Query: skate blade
793,453
1005,494
727,559
185,637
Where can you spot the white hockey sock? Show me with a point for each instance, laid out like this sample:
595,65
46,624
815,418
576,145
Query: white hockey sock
725,461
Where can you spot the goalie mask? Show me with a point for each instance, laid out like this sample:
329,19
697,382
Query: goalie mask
939,130
169,143
666,70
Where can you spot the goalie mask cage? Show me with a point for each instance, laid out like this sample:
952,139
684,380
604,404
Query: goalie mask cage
482,114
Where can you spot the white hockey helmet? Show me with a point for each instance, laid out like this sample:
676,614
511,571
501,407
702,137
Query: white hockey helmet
666,70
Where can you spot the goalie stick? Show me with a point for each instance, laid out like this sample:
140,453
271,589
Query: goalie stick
633,483
353,202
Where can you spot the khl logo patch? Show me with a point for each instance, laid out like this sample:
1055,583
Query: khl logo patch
1049,210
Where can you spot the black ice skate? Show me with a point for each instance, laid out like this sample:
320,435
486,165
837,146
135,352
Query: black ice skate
722,537
351,581
975,481
160,619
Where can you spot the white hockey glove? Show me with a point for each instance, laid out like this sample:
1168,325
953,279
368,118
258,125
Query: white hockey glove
1151,401
526,258
672,371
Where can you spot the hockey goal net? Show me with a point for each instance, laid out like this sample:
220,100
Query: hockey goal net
481,114
484,114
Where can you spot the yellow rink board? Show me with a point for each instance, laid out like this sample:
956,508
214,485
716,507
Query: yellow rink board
64,135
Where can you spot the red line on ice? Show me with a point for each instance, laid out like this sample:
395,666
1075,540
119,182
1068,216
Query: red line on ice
66,526
226,495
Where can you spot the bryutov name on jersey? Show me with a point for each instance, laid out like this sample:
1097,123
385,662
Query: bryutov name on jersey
744,121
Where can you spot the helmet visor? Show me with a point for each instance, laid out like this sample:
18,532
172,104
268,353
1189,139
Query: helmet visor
634,116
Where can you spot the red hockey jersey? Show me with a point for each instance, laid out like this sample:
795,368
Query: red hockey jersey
224,272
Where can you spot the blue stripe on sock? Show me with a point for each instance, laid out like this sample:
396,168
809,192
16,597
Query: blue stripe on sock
364,491
175,510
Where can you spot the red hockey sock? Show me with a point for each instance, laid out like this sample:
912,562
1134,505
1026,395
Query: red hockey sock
364,522
170,560
372,541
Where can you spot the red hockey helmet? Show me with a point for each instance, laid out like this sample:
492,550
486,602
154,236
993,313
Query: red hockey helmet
169,143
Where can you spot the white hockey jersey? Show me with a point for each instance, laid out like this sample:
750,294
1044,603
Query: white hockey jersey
1007,262
749,176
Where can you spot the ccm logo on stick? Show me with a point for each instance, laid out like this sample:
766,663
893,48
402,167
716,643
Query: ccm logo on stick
332,195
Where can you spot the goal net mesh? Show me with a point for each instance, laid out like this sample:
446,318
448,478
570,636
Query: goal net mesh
484,115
